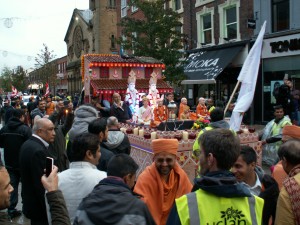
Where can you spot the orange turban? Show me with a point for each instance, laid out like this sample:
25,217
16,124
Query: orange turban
165,145
292,131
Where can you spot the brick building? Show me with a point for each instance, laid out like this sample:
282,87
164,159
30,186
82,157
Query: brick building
216,31
90,31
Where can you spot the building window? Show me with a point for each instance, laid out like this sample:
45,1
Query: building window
123,8
177,4
231,23
125,72
112,42
104,72
206,29
148,72
134,8
111,4
280,15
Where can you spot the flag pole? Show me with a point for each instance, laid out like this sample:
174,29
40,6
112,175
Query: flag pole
231,97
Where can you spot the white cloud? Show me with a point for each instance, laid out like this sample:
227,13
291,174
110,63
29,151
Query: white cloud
34,22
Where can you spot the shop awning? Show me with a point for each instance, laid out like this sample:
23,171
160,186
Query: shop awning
109,86
203,67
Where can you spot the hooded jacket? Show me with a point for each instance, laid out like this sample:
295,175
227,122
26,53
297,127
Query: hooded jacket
12,136
112,202
219,183
212,125
117,142
82,117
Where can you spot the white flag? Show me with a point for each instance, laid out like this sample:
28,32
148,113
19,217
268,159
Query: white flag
248,78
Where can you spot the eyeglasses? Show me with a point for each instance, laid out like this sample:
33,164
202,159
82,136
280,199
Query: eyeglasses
167,160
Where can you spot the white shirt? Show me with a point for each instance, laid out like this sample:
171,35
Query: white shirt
77,182
256,188
42,140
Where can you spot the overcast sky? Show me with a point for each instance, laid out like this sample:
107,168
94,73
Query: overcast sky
32,23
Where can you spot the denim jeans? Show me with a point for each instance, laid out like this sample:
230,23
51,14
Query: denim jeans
14,181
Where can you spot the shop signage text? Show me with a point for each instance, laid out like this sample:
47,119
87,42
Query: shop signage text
286,45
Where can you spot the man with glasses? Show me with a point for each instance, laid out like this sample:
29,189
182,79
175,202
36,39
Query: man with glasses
33,155
163,181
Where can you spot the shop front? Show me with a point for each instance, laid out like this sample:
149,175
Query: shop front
280,57
212,72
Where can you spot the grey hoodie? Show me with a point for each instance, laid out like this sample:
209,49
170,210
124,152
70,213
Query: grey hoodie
83,116
114,139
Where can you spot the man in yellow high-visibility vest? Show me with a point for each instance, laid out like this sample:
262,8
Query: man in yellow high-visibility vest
217,197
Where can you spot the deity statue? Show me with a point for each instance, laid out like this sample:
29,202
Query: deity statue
153,94
132,96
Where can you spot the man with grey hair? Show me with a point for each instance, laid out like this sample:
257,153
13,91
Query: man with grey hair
117,141
33,155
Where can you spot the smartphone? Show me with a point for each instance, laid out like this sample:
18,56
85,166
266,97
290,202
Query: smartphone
49,165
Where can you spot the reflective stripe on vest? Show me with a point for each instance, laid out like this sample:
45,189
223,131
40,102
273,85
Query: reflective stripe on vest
218,210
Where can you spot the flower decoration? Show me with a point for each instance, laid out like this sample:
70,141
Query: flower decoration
200,123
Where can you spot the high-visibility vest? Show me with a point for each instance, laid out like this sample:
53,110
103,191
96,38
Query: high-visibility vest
203,208
196,147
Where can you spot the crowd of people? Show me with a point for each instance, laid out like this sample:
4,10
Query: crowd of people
94,178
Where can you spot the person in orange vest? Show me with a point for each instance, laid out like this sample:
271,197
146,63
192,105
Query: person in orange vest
50,106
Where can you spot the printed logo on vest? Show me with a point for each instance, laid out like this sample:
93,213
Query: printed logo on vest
231,216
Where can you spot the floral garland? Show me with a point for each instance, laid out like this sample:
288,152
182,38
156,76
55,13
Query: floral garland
161,117
200,123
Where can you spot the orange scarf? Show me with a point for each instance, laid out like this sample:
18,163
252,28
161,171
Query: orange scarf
160,113
159,195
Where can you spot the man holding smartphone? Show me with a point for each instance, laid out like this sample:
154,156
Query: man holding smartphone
32,164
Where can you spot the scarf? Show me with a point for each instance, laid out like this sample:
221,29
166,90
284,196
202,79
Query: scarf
293,189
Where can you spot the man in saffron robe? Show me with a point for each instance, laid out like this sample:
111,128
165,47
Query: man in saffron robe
183,107
163,181
160,112
201,109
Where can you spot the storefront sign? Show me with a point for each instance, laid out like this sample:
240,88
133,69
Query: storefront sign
281,46
207,65
286,45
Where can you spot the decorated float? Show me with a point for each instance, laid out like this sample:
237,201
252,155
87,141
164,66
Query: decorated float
104,74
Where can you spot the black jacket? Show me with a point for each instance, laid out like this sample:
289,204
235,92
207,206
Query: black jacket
269,194
58,147
12,137
121,115
112,202
32,164
105,157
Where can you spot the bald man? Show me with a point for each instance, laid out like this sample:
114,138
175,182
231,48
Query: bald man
201,109
33,155
120,109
